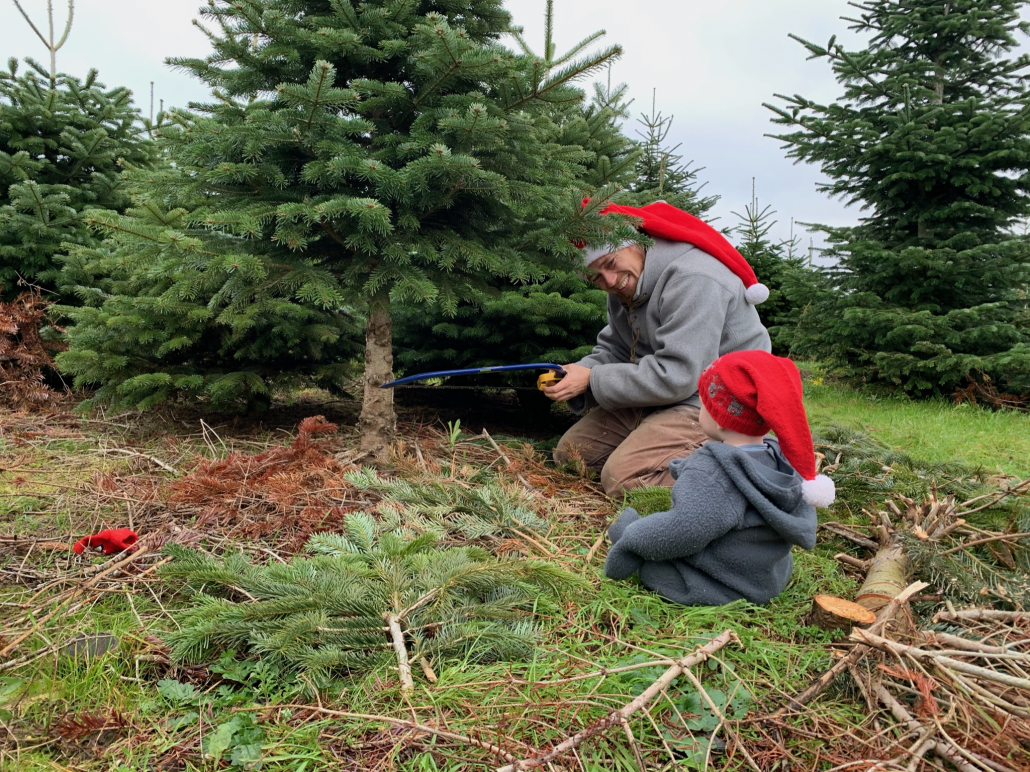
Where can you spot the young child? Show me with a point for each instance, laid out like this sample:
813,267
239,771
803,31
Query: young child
740,501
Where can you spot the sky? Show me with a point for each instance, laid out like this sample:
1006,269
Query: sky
709,63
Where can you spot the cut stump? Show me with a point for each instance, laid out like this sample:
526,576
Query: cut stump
831,613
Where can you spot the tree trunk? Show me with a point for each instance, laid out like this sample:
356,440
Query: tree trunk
378,422
887,577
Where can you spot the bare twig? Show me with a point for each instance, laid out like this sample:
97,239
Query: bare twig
943,661
413,725
617,717
975,542
397,639
137,454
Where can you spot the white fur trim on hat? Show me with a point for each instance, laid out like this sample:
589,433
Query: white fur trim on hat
593,254
756,294
819,492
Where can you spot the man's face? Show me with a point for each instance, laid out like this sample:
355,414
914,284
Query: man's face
618,272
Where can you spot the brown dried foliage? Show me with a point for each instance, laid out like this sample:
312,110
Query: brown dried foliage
24,355
980,389
82,725
290,491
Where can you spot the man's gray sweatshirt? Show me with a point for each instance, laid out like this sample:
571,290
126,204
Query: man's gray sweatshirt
735,515
689,310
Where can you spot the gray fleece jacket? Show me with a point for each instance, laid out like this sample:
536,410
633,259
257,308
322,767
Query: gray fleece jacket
688,311
735,514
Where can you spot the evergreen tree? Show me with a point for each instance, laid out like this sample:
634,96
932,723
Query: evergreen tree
172,311
382,152
773,262
61,142
932,139
661,173
557,320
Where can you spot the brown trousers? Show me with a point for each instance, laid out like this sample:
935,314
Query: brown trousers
632,447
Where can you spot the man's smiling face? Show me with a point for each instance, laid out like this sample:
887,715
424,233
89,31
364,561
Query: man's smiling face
618,272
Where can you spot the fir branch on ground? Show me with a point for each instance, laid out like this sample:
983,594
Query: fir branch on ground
487,507
324,615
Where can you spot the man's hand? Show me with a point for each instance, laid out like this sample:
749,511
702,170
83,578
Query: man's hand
575,382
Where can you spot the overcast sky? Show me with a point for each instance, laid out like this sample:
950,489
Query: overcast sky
713,63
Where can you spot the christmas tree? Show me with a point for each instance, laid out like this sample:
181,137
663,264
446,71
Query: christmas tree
932,139
661,173
169,311
380,153
775,263
557,320
61,142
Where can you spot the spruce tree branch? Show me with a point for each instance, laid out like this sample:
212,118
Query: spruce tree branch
315,103
576,49
68,26
417,101
571,73
31,24
334,235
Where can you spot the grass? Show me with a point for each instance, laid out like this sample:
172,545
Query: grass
217,718
932,430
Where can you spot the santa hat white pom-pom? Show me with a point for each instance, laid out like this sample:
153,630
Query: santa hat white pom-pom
819,492
756,294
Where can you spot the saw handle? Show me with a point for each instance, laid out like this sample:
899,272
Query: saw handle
546,379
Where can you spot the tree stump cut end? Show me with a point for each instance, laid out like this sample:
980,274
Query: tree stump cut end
831,613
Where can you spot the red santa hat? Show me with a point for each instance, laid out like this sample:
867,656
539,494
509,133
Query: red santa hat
754,392
664,221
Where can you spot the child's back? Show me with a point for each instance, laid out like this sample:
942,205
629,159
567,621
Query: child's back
736,513
738,504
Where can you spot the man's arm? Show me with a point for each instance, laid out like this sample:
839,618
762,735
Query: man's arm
693,314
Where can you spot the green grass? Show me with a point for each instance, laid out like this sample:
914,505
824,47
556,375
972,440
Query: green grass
604,628
932,430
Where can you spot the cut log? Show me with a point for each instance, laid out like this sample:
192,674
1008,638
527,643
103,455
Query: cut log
886,579
830,613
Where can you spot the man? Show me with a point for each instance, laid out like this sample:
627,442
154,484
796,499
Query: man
673,309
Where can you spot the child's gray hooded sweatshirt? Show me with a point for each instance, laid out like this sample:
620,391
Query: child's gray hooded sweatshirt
735,515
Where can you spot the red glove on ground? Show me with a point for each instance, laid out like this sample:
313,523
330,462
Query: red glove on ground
116,540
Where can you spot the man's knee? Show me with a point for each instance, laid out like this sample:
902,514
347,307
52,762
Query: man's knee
576,452
617,478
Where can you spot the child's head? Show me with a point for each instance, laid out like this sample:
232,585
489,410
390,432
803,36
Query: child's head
751,393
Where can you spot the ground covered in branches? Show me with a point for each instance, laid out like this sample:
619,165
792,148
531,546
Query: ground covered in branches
106,663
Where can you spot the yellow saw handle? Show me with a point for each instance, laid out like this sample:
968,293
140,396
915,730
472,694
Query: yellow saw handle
546,379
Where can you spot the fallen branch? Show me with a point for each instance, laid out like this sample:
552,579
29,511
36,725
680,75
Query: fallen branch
986,540
943,661
819,685
982,615
851,535
618,717
142,549
507,461
136,454
413,725
397,639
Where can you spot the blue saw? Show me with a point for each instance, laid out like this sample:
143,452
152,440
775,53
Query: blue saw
552,373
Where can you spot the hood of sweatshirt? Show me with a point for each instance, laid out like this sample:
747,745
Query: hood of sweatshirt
771,486
656,260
